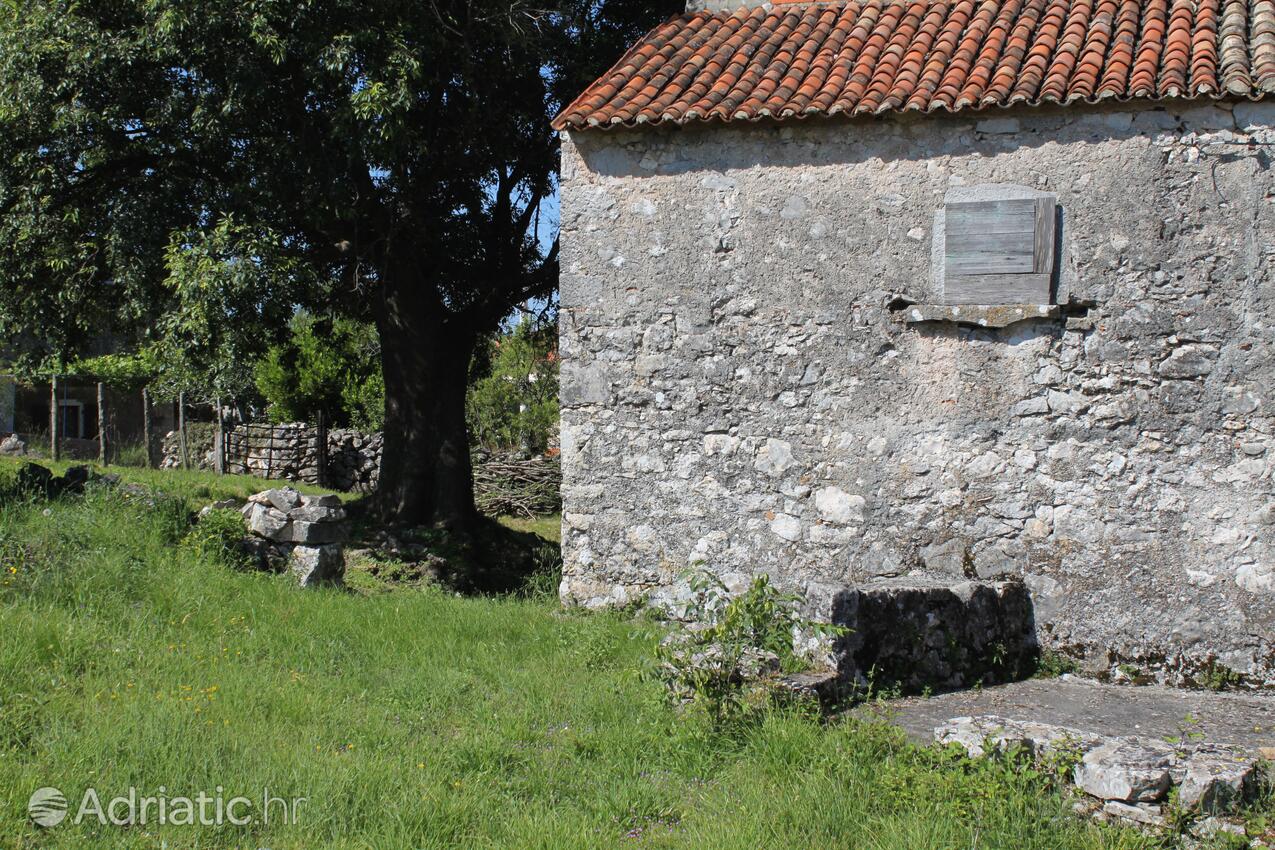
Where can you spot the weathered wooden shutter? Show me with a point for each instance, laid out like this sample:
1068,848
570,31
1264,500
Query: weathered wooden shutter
998,251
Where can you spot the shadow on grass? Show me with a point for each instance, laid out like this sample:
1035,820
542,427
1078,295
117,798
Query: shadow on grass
492,559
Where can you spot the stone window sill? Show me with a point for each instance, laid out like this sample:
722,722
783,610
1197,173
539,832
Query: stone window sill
978,315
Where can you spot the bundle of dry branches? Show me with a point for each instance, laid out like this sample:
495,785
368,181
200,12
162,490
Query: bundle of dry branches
517,486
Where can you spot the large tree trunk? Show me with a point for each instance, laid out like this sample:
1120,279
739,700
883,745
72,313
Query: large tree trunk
426,477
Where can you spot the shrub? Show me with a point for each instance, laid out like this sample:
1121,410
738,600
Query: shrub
131,454
329,365
1052,664
731,642
217,537
513,391
546,573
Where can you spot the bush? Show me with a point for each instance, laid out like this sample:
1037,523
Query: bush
218,536
546,574
513,391
731,642
131,454
329,365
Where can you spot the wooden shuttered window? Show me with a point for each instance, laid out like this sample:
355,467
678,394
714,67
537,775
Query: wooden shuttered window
998,251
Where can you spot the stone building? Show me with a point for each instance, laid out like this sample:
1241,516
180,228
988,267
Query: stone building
886,294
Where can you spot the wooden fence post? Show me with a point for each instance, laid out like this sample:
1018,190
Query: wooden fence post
181,428
270,453
147,427
101,423
55,449
321,458
219,447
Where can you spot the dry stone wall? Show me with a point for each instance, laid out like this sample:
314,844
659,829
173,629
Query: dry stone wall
288,452
741,389
504,483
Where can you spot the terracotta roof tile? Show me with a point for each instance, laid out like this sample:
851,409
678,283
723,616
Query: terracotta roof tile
796,59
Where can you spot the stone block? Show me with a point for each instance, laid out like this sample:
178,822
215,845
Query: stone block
1216,778
1144,814
269,522
283,498
316,513
821,685
1189,361
1130,770
1032,407
775,458
838,506
317,533
34,480
948,557
979,736
325,500
317,565
219,505
584,385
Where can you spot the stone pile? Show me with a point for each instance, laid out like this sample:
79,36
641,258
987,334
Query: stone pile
1127,778
13,446
308,532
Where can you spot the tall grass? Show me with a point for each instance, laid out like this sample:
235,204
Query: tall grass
419,719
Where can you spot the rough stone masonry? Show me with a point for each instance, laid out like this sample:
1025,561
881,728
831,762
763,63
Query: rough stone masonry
742,387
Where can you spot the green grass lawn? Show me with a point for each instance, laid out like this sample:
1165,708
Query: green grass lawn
416,718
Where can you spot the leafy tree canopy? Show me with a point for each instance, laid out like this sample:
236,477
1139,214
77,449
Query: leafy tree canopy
154,152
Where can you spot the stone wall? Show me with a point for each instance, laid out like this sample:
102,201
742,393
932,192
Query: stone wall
740,388
503,483
288,452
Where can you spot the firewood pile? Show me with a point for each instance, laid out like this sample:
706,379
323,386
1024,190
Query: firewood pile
517,486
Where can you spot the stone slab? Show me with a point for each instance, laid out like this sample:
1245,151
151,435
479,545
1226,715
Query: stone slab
1246,721
1128,770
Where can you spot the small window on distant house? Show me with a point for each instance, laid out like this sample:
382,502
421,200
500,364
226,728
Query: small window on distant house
998,250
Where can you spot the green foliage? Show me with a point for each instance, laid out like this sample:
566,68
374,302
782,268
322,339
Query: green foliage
130,454
216,538
1059,761
188,173
228,282
1051,664
717,658
546,575
327,364
1219,677
119,370
513,395
334,365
